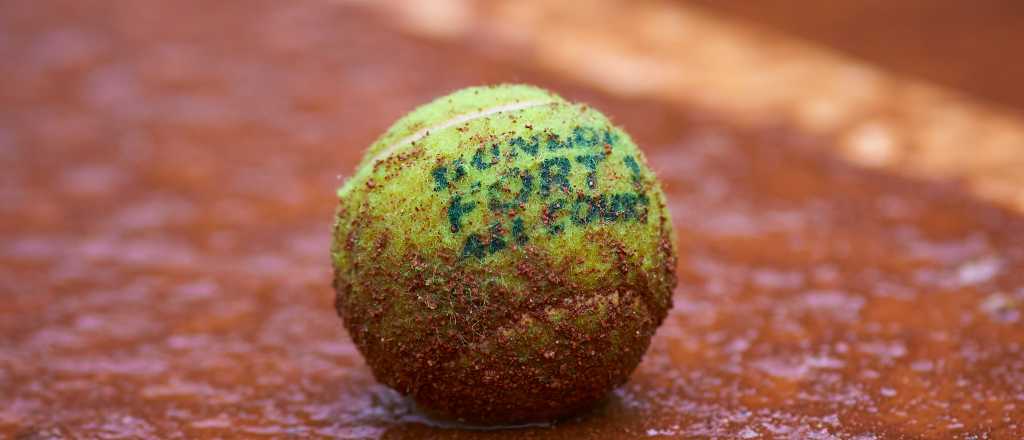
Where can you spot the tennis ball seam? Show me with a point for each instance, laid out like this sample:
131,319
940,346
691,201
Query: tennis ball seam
464,118
456,120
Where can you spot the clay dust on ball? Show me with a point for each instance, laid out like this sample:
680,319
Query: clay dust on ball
502,255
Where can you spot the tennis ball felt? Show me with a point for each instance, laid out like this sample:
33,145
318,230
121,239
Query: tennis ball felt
502,255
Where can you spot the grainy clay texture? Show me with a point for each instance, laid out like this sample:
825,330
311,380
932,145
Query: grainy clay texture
503,256
169,183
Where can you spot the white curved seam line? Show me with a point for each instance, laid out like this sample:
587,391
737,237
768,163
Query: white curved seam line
461,119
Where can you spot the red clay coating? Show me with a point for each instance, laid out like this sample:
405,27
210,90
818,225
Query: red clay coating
496,386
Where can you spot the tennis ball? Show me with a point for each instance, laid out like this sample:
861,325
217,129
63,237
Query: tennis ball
502,255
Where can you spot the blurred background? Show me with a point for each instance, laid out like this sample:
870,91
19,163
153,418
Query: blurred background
970,46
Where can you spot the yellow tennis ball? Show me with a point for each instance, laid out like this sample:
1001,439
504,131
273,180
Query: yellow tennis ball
502,255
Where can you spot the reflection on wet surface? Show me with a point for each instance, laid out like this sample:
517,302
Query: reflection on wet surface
164,223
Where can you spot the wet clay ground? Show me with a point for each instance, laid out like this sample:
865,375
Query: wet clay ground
168,185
